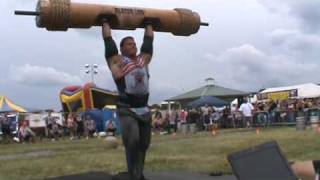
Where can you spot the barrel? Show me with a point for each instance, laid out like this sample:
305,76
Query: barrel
184,128
193,128
314,118
300,123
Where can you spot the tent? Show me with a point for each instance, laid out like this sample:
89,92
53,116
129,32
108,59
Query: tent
6,105
208,100
309,90
210,89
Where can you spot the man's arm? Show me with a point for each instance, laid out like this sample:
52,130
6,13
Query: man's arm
147,46
111,51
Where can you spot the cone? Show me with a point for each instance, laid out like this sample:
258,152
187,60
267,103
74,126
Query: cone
318,130
258,132
214,132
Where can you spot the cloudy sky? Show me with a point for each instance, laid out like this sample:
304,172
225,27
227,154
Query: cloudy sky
250,44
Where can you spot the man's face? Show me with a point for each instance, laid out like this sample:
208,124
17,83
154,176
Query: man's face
129,48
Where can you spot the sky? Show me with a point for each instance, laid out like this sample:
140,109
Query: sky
249,45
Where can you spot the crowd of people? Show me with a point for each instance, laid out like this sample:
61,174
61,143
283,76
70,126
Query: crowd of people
205,118
245,115
74,126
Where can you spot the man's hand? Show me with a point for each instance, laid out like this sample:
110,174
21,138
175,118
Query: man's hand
154,22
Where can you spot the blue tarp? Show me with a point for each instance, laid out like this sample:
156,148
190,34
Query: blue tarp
208,100
102,116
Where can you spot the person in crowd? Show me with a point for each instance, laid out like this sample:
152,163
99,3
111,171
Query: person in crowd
226,121
49,120
71,124
290,112
80,126
90,126
173,120
272,112
183,119
215,117
25,133
111,128
261,115
206,115
199,121
158,120
233,112
5,127
55,131
246,108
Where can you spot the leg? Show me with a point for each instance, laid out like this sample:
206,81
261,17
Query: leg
130,138
145,138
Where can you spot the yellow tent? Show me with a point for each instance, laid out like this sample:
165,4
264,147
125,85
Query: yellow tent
6,105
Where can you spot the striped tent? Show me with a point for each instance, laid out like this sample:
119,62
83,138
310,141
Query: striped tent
6,105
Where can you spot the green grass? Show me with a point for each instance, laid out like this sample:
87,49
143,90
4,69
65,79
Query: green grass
197,153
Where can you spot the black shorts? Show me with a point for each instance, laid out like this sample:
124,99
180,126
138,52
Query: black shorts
6,130
91,132
206,119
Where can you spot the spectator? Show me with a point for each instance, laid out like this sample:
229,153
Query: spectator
246,108
25,133
206,115
111,128
5,127
290,112
71,124
55,130
173,120
183,120
158,120
215,116
90,126
80,126
49,120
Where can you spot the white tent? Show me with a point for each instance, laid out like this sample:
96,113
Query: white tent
309,90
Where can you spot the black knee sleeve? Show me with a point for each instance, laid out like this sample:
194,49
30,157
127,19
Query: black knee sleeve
316,165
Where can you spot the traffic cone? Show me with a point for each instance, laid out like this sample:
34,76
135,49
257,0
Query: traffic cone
174,134
214,132
258,132
318,130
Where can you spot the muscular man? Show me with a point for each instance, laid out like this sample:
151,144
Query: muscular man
130,73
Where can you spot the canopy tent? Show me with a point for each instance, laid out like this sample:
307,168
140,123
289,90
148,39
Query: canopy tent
210,89
309,90
6,105
208,100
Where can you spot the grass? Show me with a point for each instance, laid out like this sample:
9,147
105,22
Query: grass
197,153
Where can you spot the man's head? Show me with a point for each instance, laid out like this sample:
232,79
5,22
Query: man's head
128,47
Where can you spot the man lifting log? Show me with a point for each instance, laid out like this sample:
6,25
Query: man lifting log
130,73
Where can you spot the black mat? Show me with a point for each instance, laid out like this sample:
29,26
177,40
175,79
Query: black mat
149,176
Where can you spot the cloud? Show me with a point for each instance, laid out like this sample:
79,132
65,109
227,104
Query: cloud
41,76
298,45
305,12
308,14
247,67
